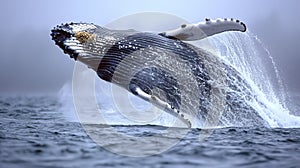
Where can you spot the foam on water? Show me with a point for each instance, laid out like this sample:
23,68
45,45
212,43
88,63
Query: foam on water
243,51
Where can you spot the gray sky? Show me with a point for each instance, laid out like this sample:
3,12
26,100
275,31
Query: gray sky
31,62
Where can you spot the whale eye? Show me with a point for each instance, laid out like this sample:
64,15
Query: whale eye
183,25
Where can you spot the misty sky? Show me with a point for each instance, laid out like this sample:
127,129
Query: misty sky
31,62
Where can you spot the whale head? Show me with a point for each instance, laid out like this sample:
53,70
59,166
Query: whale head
71,37
85,42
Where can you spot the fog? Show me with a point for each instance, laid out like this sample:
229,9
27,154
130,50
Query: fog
30,62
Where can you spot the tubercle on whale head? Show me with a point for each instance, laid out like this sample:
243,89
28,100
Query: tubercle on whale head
87,42
71,37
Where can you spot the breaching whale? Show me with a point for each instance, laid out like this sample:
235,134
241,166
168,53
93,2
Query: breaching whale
186,81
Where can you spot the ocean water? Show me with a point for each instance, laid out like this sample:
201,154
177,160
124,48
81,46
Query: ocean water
44,131
34,133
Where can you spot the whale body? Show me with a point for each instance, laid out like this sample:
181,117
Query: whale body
185,81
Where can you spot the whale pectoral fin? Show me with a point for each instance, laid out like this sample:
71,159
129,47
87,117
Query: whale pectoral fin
136,90
191,32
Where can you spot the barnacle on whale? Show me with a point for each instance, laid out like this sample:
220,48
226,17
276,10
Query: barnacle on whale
84,37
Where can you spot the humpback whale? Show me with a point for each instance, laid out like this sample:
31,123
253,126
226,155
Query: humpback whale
185,81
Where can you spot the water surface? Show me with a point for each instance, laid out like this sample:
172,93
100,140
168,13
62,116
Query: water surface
34,133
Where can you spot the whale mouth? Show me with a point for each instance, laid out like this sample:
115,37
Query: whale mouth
71,37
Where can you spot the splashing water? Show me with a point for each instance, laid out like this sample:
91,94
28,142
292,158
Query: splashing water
243,51
247,54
